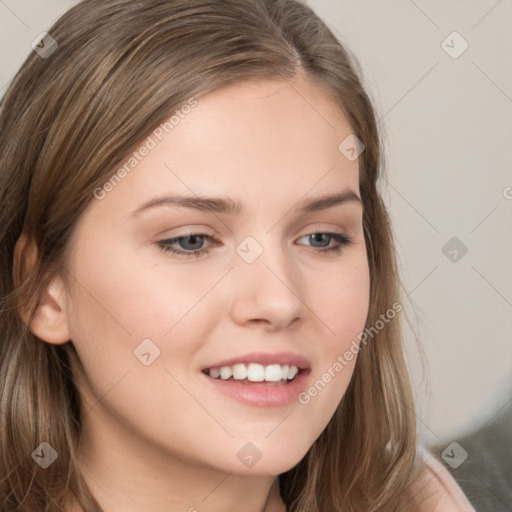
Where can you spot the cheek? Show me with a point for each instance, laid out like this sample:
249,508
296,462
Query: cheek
113,327
134,297
342,303
117,305
342,307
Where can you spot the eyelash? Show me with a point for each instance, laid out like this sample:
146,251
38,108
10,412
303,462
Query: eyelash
167,245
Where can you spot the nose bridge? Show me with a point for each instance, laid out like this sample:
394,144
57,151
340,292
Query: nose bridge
266,287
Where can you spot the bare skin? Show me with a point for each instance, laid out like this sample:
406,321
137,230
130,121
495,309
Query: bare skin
161,437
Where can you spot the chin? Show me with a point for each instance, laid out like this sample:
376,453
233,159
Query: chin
273,461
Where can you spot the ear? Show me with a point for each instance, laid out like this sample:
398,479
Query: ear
50,322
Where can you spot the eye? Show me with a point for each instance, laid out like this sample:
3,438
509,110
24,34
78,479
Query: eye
325,239
192,245
192,242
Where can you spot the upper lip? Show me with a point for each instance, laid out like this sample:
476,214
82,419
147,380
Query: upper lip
265,358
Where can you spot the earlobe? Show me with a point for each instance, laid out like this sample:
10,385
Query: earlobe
50,320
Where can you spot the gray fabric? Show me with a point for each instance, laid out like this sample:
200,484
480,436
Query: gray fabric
486,475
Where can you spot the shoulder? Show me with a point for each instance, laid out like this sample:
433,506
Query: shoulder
436,490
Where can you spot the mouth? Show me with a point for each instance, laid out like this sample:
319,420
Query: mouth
259,385
253,373
260,379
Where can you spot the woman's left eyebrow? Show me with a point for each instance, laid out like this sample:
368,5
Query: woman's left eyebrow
229,206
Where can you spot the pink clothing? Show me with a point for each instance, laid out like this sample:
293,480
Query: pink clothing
454,495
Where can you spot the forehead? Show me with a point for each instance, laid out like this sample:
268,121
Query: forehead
287,100
269,143
269,126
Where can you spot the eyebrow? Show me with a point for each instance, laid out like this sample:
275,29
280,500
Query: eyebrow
228,206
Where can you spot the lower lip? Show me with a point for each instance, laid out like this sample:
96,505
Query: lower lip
262,394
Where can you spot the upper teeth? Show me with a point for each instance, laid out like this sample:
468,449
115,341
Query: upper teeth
255,372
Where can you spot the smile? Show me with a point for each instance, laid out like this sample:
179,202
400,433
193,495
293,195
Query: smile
254,372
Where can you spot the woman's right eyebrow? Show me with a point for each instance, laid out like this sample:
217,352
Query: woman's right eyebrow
228,206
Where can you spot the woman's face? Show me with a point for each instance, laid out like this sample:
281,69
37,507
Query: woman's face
149,324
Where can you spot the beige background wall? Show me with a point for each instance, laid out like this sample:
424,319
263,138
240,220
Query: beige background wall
449,150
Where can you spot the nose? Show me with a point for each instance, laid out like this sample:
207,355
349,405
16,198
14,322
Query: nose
268,292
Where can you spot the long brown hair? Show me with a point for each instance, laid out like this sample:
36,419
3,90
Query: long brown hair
68,119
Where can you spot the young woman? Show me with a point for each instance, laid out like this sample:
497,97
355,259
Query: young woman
201,306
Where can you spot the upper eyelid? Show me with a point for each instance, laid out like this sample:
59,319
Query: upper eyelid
197,231
214,237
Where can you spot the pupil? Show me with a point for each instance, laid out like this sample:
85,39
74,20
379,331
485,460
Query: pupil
320,235
194,238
